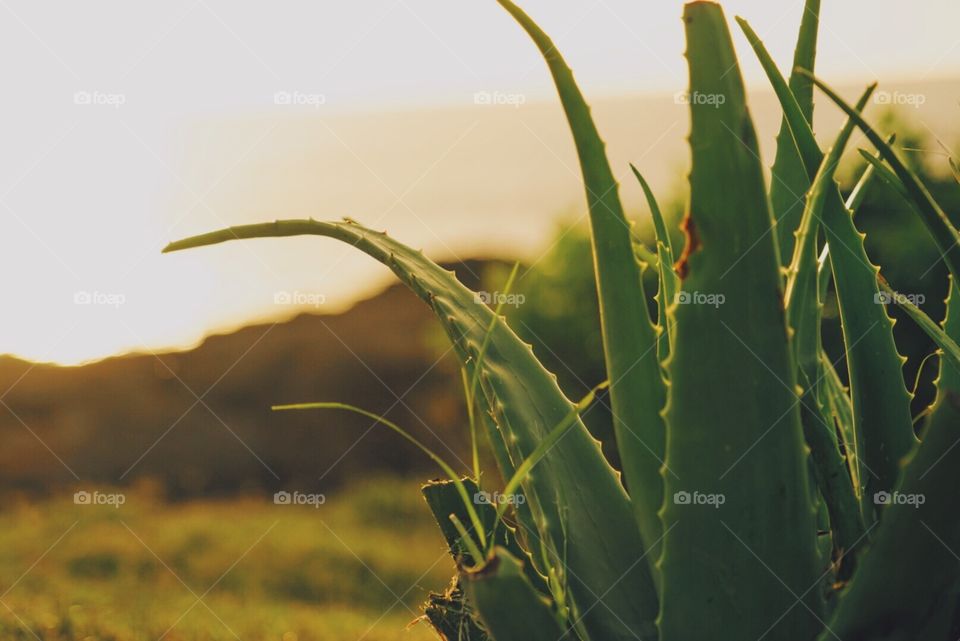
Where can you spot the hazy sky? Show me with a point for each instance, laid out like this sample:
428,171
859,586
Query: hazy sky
117,131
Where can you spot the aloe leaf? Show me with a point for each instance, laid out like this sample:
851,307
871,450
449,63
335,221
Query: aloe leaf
835,396
789,179
856,198
637,393
644,255
596,526
841,408
802,294
508,605
669,281
881,403
945,415
471,391
465,538
950,351
732,410
793,114
543,448
803,314
443,499
944,234
886,174
911,568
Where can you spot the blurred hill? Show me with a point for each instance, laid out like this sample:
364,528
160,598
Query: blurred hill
199,421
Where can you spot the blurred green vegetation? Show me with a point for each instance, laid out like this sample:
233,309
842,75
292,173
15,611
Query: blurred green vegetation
359,566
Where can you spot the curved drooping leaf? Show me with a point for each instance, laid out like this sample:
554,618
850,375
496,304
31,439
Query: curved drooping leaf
789,180
910,571
738,521
637,393
581,510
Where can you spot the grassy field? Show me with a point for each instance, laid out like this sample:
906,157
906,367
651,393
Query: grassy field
356,567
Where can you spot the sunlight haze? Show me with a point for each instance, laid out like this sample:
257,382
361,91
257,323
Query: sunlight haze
129,125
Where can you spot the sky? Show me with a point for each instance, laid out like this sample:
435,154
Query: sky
131,124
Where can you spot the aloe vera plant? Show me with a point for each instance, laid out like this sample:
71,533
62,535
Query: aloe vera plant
762,497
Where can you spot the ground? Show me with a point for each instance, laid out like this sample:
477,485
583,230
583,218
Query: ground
355,568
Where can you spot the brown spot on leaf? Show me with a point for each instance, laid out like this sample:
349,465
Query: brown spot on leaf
692,244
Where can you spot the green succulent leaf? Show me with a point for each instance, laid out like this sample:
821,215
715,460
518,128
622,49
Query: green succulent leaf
946,409
790,181
637,392
739,523
856,198
949,349
881,403
944,234
803,314
508,605
582,513
885,174
909,573
669,282
443,499
837,399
